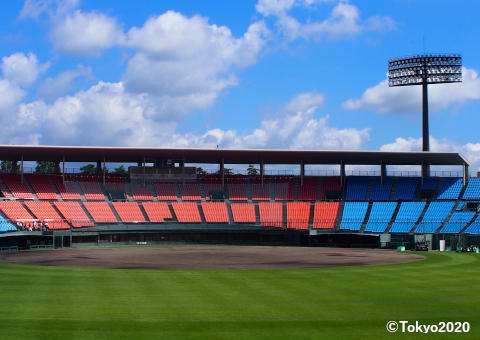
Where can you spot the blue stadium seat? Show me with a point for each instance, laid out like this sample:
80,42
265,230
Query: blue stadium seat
381,192
450,188
407,216
405,189
436,213
353,215
6,225
430,183
472,191
458,221
356,188
474,228
380,216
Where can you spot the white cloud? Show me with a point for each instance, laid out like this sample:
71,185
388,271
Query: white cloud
471,151
85,33
35,8
21,69
293,127
106,114
52,88
273,7
187,59
407,99
10,96
344,20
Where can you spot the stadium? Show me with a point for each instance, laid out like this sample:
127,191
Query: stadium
239,170
276,227
163,199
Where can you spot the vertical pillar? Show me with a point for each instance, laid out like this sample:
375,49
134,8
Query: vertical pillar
425,132
144,176
21,179
426,137
466,175
222,171
342,175
302,172
63,169
99,168
104,169
262,170
182,165
383,172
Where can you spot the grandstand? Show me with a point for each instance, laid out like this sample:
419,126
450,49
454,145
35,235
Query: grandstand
176,199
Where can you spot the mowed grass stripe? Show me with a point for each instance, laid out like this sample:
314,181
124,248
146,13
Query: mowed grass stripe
330,303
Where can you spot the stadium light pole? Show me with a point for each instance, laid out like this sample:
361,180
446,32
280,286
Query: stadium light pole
422,70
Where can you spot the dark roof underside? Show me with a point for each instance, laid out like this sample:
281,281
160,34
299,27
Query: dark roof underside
229,156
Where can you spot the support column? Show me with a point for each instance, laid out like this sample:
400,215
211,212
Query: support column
57,167
222,171
182,165
466,175
342,175
63,169
99,168
383,172
262,170
302,172
104,169
21,176
144,176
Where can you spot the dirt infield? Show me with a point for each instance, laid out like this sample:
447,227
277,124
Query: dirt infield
208,257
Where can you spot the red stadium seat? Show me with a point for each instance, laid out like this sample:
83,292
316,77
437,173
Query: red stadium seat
157,211
19,190
42,186
45,212
68,190
74,214
187,212
215,212
92,191
190,191
129,211
142,194
298,214
166,191
243,212
325,215
101,212
271,214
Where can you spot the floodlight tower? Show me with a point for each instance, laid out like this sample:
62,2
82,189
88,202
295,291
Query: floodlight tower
423,70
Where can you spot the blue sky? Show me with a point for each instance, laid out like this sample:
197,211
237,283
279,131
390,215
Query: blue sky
298,74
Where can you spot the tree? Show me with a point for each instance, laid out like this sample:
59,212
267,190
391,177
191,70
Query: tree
251,170
200,171
7,166
46,167
226,171
89,169
120,170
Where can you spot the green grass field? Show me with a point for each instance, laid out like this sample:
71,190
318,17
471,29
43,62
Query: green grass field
331,303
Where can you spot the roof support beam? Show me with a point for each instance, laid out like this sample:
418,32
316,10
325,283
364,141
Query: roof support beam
383,172
302,172
342,175
21,176
222,171
262,170
466,174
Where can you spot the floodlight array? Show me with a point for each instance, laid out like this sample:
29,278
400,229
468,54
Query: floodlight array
432,68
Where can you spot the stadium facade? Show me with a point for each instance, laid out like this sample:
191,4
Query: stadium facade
163,199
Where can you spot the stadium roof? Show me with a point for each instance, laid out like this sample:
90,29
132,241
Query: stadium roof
229,156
